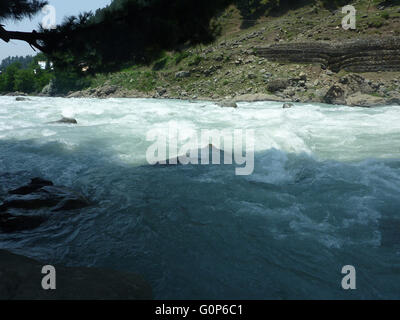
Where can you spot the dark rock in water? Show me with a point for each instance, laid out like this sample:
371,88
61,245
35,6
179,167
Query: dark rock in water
38,194
288,105
21,279
53,197
227,104
66,120
11,223
36,183
22,99
204,155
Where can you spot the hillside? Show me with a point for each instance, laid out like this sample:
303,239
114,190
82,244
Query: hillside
230,67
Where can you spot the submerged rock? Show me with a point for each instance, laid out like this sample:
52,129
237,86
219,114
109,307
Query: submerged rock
35,184
56,198
12,223
38,194
22,99
21,279
66,120
41,193
228,104
205,155
288,105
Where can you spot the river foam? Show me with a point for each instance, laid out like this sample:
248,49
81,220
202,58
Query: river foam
324,194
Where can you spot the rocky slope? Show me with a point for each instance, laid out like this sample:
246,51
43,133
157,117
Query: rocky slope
302,55
359,55
299,55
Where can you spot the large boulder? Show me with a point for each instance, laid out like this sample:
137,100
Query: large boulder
50,89
21,278
107,90
335,95
277,85
364,100
394,98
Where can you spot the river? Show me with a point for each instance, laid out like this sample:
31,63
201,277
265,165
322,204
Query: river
324,193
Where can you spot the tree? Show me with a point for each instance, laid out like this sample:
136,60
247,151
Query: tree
25,61
16,10
24,81
9,77
129,31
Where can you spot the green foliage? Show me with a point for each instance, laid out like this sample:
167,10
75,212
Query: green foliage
18,9
68,80
24,81
385,15
131,31
28,78
24,61
195,60
181,56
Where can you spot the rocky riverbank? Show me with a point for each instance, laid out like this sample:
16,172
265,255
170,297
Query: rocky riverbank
351,89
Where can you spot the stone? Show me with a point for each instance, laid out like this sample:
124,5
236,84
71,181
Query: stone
288,105
227,104
106,90
277,85
259,97
161,91
50,89
22,278
15,223
55,198
22,99
394,98
18,211
34,185
66,120
335,95
182,74
364,100
303,76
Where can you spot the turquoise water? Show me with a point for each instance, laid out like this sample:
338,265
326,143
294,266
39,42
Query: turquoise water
325,193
